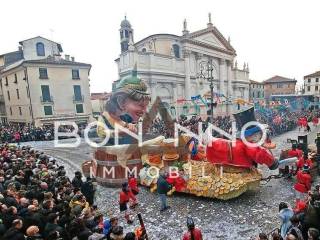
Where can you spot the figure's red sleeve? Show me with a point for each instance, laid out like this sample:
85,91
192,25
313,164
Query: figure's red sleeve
260,155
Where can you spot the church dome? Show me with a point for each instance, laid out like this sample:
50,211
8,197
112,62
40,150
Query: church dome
125,23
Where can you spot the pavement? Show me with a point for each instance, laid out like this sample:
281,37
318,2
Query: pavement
240,218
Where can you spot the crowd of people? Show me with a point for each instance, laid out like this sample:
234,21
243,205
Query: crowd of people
39,202
278,121
285,120
18,133
26,133
299,223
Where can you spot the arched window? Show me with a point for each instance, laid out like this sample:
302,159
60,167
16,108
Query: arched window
40,49
126,33
121,34
144,50
176,50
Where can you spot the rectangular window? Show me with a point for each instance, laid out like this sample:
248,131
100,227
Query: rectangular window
15,78
8,95
75,74
43,73
7,81
309,80
18,95
309,88
45,93
79,108
28,95
317,79
77,92
20,112
279,85
47,110
10,111
316,88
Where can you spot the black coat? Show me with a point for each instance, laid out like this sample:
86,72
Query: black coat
77,182
13,234
88,191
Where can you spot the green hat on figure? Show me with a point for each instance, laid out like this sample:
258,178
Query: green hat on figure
132,84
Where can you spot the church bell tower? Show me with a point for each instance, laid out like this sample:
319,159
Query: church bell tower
126,34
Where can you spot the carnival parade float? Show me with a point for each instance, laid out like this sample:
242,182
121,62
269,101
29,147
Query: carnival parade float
218,168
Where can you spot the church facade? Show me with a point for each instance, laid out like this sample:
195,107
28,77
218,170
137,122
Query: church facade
171,64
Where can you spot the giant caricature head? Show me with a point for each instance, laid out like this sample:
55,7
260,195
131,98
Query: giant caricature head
129,97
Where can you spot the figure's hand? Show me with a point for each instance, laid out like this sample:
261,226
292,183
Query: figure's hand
275,164
132,127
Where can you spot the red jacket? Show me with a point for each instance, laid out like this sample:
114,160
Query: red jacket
196,234
293,153
126,196
315,120
301,162
303,184
222,152
133,184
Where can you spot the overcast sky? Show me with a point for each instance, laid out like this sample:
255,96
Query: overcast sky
276,37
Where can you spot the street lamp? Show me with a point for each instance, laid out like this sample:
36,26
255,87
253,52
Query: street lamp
206,73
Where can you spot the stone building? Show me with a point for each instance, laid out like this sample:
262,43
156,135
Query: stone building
278,85
39,87
170,64
256,91
312,84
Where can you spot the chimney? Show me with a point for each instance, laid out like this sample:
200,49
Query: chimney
67,57
72,59
20,48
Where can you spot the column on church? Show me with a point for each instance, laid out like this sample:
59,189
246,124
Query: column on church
229,78
230,90
187,85
222,75
198,62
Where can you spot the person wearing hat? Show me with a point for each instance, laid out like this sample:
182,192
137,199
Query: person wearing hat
127,104
244,153
193,233
303,184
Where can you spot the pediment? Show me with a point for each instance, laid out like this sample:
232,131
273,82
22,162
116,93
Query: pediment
211,39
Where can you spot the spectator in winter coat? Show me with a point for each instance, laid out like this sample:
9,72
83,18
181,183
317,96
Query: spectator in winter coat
77,180
193,233
14,233
285,213
163,187
88,190
295,228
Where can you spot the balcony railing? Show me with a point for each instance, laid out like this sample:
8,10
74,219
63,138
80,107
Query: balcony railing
78,99
46,99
